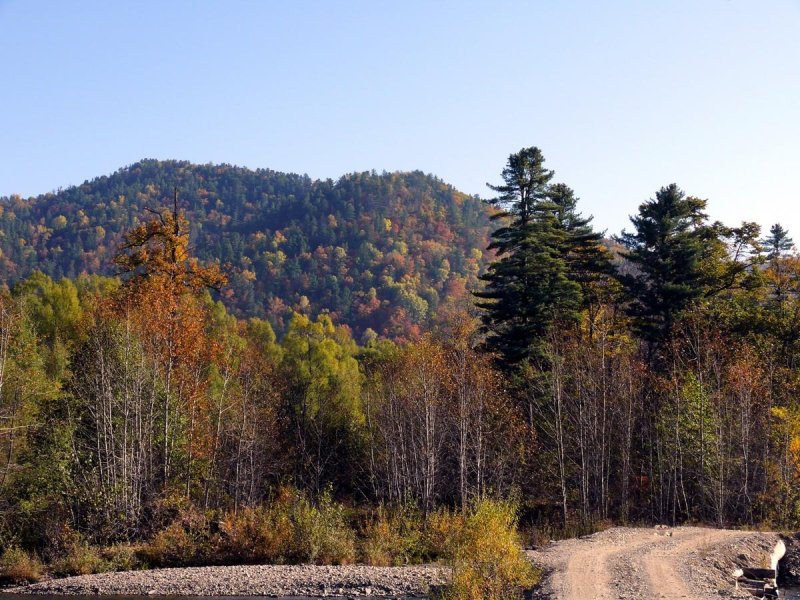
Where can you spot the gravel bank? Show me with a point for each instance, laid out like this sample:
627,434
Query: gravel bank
256,580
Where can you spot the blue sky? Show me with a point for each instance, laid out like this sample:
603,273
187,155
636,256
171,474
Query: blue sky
622,97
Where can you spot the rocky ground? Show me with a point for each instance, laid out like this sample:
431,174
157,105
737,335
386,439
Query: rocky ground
272,581
690,563
790,566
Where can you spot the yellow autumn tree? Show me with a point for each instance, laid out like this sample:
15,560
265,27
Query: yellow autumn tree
162,299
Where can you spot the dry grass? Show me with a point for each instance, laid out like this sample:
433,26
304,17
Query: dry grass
185,542
392,538
18,567
81,559
256,535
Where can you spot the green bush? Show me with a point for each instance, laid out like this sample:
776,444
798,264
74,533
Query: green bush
488,561
322,535
394,537
122,557
81,559
18,567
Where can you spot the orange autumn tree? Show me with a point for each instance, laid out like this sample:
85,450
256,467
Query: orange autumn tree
159,250
162,300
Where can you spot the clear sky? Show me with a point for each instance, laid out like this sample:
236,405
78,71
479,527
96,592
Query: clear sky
622,97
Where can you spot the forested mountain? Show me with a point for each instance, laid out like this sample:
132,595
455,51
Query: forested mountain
653,378
380,252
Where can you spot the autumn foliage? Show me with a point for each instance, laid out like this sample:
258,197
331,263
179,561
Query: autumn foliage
143,422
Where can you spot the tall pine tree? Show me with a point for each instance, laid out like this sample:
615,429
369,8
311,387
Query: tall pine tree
779,275
528,288
588,261
778,242
667,253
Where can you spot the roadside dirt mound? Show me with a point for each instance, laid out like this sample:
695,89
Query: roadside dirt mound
624,563
790,566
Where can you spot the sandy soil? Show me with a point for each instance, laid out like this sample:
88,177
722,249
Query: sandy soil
690,563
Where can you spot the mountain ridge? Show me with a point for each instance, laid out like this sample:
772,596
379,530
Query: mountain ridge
380,252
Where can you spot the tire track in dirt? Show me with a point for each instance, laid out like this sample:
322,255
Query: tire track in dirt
585,574
624,563
663,563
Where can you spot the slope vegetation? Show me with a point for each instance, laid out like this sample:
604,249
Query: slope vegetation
380,252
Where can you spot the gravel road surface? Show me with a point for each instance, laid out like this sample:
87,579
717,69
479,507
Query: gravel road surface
687,563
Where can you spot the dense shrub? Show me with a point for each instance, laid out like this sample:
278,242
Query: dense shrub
443,532
322,535
123,557
58,537
404,536
290,529
482,546
393,537
185,542
265,534
81,559
17,566
489,561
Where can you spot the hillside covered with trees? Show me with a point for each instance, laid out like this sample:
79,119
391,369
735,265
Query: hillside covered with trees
379,253
144,422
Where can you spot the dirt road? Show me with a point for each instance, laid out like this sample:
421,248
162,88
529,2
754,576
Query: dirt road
687,563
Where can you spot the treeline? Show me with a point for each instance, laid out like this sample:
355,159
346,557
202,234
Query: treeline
119,403
653,384
660,384
135,411
380,253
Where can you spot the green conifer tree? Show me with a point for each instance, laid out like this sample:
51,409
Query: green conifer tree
778,242
666,252
588,261
528,288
